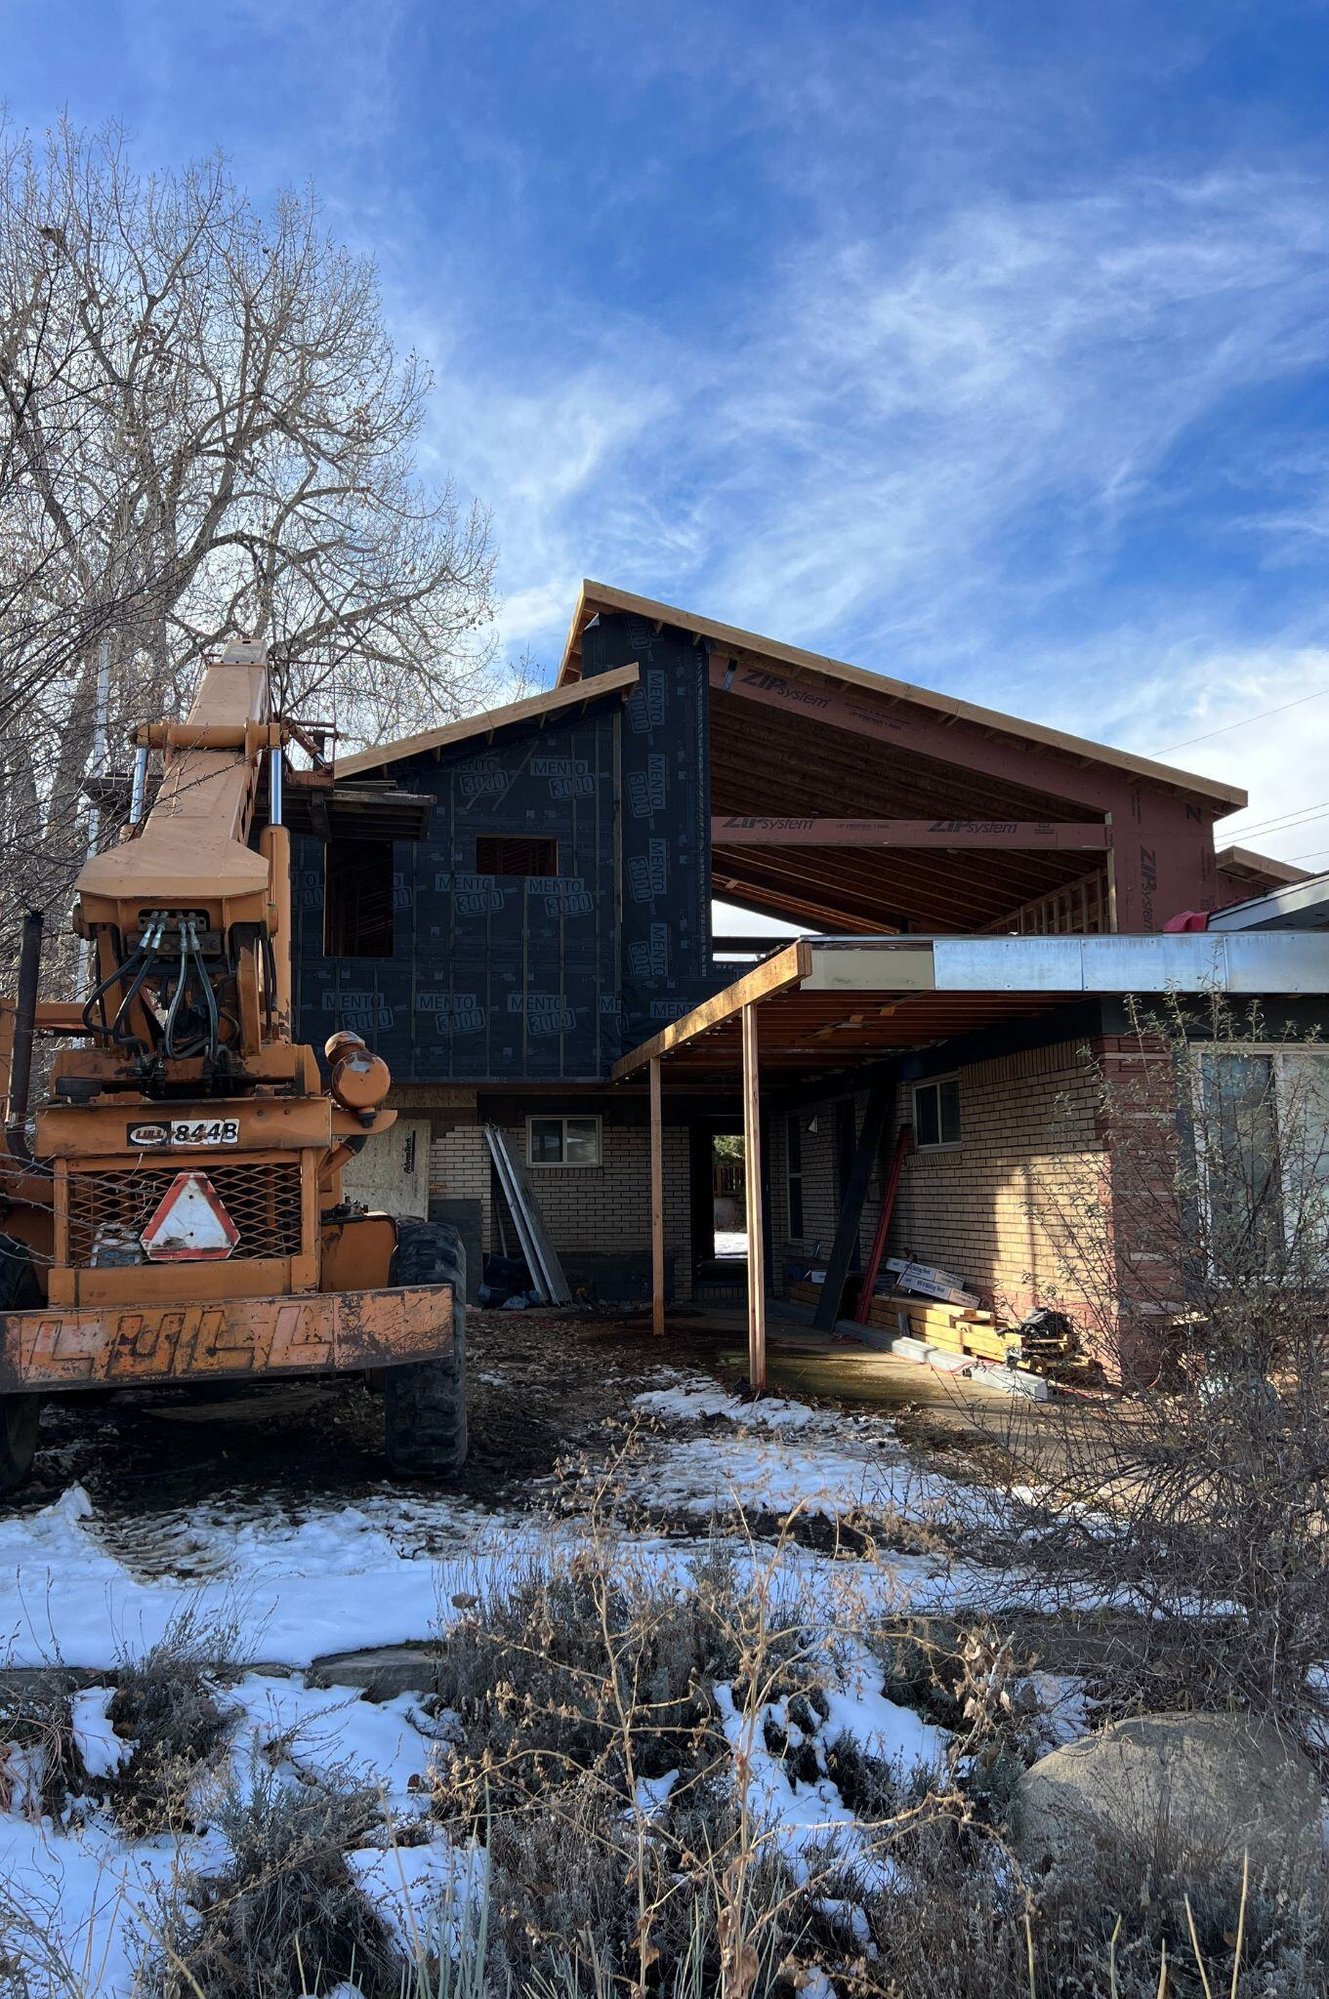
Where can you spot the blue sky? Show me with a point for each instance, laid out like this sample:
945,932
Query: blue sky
983,345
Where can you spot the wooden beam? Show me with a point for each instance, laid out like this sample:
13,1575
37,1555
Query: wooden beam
752,1189
657,1202
620,680
1014,758
736,652
946,834
772,976
881,1097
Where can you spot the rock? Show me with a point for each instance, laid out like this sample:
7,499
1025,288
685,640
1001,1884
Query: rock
1192,1791
48,1682
383,1671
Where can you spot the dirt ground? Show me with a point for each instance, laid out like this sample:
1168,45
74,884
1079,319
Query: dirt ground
541,1386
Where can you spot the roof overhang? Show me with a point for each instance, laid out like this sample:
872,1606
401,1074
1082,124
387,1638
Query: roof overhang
599,598
534,712
829,1002
1262,871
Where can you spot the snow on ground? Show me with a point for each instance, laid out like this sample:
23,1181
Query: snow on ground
336,1577
337,1580
423,1893
770,1456
384,1570
331,1732
77,1907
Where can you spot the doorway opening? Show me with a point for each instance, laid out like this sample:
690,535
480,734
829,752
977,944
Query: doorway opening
719,1213
729,1229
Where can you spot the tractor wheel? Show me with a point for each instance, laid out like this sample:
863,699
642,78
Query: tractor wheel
424,1404
19,1414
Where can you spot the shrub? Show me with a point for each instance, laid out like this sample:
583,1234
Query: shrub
166,1704
1199,1498
285,1916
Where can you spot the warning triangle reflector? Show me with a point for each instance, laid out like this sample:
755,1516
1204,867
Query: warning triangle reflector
190,1222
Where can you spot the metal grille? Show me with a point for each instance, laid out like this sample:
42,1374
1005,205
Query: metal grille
263,1200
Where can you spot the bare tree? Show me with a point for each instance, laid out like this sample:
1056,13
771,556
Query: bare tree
205,430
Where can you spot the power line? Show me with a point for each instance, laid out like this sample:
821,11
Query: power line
1245,720
1284,822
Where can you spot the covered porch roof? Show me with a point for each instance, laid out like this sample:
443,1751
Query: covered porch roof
825,1003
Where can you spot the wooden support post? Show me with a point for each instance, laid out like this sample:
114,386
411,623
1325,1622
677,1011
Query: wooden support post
752,1189
657,1202
880,1099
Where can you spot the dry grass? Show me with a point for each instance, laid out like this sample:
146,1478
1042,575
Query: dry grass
167,1705
285,1916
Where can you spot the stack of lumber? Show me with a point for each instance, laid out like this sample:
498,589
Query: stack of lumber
803,1291
953,1328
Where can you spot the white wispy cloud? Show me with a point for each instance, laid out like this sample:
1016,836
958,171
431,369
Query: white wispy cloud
904,451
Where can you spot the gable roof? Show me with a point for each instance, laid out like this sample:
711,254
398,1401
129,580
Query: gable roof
603,597
537,708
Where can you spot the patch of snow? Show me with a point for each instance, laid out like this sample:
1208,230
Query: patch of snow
880,1726
1060,1705
104,1753
776,1474
334,1733
698,1396
337,1580
86,1902
425,1894
652,1793
806,1822
23,1768
816,1984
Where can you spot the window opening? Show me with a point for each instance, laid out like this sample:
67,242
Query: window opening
729,1195
515,854
357,899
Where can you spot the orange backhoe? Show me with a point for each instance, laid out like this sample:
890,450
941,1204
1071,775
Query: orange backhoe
175,1212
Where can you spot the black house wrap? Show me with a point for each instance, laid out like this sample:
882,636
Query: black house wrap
498,976
666,819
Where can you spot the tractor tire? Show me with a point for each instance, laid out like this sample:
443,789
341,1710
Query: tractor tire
19,1414
424,1404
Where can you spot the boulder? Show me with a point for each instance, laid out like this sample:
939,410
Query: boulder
1183,1792
382,1672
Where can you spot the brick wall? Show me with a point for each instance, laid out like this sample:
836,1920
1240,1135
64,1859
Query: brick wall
997,1208
606,1209
597,1210
1003,1206
821,1194
460,1169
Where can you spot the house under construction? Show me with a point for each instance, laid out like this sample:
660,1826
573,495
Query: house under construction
516,909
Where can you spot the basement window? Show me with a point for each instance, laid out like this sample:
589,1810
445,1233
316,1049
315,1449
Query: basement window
563,1141
937,1113
357,899
515,854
